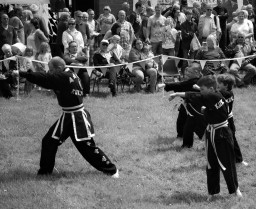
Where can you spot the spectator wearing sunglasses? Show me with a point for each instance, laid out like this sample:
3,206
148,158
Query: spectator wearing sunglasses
241,48
208,24
82,27
71,34
106,20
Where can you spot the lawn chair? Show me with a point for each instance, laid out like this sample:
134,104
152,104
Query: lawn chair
170,70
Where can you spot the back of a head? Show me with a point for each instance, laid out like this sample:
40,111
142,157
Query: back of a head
64,16
208,81
57,63
35,22
227,79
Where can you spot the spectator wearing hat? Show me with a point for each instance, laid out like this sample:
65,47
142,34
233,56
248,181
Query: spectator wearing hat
106,20
209,24
222,13
42,25
103,57
8,35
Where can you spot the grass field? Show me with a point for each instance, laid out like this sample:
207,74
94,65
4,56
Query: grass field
137,132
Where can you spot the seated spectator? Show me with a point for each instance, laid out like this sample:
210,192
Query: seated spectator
136,54
73,57
7,80
241,48
210,52
103,57
116,48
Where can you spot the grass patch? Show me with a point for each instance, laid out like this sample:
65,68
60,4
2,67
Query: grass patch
137,132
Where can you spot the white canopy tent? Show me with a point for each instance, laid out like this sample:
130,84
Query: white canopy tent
24,1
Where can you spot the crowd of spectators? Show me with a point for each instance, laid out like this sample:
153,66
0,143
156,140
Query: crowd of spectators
110,39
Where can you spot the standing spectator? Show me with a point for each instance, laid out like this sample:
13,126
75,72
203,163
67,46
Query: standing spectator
241,26
27,16
94,29
188,29
149,12
126,9
208,24
115,30
106,20
251,17
17,24
42,25
71,34
203,8
155,27
8,34
196,12
62,26
36,36
83,27
85,17
135,19
126,34
222,13
44,56
170,35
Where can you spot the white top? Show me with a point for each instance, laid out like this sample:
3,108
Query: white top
69,36
156,25
118,50
169,37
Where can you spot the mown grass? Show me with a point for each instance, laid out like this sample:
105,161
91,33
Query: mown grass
137,132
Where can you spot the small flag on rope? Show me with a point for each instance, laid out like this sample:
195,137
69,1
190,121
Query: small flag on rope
240,61
164,58
142,64
130,65
89,70
202,62
104,70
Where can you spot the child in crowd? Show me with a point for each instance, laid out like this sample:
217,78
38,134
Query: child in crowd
170,38
225,85
27,66
219,141
116,48
44,56
147,53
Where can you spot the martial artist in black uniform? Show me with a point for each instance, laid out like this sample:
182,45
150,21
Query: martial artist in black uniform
75,122
225,85
219,142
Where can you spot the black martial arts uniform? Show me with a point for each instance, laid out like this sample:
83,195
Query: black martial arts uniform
219,142
190,119
229,97
75,122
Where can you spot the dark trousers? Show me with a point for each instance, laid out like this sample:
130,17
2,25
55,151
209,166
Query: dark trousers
225,151
5,88
94,155
181,120
85,80
238,153
194,124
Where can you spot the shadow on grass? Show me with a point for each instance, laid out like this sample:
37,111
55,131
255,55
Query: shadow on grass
183,197
25,175
165,144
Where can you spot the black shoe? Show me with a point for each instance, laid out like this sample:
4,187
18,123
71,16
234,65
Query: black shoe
43,173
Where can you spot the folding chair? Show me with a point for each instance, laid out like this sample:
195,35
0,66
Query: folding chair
170,70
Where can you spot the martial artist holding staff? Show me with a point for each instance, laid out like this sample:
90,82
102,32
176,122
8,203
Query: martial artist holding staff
75,122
